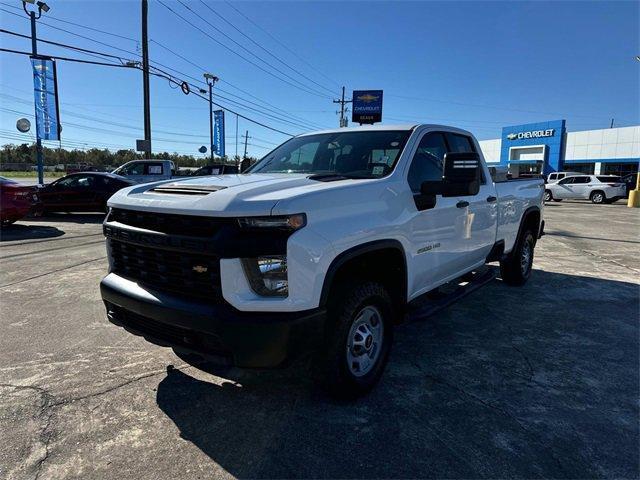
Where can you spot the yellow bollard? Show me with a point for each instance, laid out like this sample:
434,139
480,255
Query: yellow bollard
634,195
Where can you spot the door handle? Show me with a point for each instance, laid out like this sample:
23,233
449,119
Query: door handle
462,204
491,199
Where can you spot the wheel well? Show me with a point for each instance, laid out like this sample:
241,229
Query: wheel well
386,265
531,220
598,191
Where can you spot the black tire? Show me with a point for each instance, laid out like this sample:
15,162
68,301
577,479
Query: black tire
557,199
332,370
597,197
548,196
516,268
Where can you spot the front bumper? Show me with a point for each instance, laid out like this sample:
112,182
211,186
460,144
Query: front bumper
245,339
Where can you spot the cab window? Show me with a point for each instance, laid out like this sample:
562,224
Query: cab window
427,163
133,169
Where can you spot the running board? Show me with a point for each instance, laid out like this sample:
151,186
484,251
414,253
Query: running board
440,298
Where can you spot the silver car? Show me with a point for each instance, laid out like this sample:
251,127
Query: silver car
597,188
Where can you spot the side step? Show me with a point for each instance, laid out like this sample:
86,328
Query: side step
440,298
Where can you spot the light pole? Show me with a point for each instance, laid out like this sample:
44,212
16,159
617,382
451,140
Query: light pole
211,80
42,7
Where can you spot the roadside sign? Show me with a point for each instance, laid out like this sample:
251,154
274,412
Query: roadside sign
367,106
45,93
218,132
142,145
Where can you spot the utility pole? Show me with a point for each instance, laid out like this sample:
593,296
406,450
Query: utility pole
611,126
343,120
211,80
145,80
237,159
34,52
246,139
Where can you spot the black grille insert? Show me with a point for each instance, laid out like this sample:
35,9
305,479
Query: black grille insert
191,275
189,225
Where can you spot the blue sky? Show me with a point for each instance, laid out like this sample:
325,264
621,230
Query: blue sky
477,65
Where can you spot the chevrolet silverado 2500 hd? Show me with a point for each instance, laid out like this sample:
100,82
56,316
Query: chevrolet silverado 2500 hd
321,246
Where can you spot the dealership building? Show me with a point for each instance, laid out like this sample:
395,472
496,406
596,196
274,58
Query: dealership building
547,147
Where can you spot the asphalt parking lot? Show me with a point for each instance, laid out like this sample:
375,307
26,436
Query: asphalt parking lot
541,381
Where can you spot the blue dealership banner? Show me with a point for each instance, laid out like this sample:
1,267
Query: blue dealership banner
367,106
218,132
45,93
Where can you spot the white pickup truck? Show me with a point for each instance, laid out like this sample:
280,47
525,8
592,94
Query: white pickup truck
324,246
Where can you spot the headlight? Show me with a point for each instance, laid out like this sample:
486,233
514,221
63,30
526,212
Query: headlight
267,275
283,222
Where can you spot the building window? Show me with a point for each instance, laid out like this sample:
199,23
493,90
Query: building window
580,168
619,169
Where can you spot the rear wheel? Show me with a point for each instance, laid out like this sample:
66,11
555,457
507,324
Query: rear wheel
597,197
516,268
358,340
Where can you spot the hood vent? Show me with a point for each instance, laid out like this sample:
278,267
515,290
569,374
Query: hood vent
186,189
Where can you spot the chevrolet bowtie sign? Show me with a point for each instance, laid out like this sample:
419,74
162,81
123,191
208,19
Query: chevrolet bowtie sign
532,134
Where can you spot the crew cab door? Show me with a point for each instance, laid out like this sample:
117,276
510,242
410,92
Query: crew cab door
481,223
435,231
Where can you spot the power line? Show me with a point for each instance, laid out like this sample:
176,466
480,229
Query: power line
264,49
122,60
165,76
236,53
50,17
282,44
231,85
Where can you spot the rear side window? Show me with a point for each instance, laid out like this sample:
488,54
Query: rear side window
610,179
427,162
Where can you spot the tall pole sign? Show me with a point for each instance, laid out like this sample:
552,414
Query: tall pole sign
367,106
218,132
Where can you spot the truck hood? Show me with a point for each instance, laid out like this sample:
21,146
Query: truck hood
222,195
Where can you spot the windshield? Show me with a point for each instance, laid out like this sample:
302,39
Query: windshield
368,154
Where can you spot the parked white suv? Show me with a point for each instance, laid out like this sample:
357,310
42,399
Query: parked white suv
597,188
323,246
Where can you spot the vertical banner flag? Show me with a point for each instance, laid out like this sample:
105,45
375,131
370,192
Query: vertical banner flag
218,132
367,106
45,92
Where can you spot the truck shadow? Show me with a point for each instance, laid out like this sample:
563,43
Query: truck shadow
27,232
534,382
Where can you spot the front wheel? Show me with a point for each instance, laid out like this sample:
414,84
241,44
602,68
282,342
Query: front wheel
548,196
516,268
597,197
358,340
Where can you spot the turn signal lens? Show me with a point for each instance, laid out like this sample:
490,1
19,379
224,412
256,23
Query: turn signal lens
286,222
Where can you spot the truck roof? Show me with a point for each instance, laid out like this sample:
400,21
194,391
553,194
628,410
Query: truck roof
367,128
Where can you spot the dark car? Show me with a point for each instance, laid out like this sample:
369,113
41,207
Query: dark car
630,181
16,200
81,192
216,169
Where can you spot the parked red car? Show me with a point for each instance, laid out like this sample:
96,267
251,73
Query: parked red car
16,200
81,192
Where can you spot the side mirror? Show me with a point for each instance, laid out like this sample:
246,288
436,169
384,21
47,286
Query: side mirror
461,176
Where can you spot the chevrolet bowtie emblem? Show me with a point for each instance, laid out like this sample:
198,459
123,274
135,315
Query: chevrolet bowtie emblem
199,269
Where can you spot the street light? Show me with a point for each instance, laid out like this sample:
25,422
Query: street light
42,7
211,79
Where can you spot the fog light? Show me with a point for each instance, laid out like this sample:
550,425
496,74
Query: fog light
267,275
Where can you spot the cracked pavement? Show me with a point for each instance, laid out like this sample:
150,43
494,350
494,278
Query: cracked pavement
540,381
